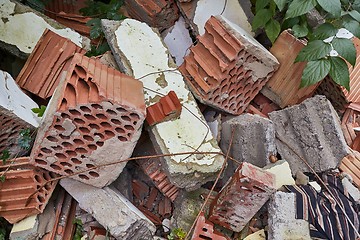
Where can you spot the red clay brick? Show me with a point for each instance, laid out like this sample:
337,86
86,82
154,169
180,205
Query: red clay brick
95,117
218,70
204,230
242,197
21,180
351,165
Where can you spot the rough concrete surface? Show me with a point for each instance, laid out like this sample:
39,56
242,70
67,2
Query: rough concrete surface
112,210
312,129
282,222
282,173
140,52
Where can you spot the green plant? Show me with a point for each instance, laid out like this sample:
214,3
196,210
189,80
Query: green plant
99,10
177,234
39,111
79,229
5,155
276,15
25,139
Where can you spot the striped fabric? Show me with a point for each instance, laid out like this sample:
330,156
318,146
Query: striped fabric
326,219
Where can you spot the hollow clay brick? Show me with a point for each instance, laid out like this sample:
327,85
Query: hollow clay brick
95,117
242,197
204,229
160,14
227,68
21,180
42,71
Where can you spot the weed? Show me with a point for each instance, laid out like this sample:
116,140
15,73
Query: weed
25,139
177,234
39,111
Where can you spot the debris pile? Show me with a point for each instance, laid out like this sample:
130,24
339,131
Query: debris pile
189,128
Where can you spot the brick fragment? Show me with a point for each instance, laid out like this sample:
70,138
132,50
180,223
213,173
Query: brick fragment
227,67
311,129
168,107
205,230
351,165
94,118
242,197
42,71
21,180
160,14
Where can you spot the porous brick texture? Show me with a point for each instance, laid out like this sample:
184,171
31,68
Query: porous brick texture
227,67
94,118
22,179
283,88
242,197
42,71
312,130
160,14
350,164
205,230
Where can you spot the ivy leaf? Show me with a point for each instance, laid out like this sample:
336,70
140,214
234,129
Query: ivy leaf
353,26
280,4
300,30
331,6
355,15
313,50
261,4
339,72
272,29
314,72
324,31
261,18
299,7
346,49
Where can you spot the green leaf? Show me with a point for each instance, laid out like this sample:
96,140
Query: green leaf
314,72
313,50
339,72
324,31
299,7
355,15
280,4
5,155
39,111
272,29
345,48
300,31
115,16
353,26
331,6
289,23
356,5
2,178
261,18
261,4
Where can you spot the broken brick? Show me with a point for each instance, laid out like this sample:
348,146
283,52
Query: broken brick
242,197
204,230
54,7
168,107
333,92
160,14
22,179
94,118
351,165
42,71
227,67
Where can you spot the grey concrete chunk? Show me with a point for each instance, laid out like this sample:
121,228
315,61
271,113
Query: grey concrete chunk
312,129
282,222
112,210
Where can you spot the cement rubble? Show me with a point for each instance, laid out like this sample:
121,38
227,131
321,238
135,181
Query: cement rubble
311,129
282,173
140,52
111,209
282,222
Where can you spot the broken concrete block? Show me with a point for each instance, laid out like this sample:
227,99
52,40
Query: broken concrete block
135,46
254,139
113,211
178,40
159,14
16,118
282,173
282,222
238,12
42,71
351,189
259,235
311,129
242,197
283,88
25,229
95,117
21,180
227,68
21,27
204,229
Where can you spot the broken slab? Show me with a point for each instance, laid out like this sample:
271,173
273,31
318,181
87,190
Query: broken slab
282,173
311,129
242,197
95,117
21,27
227,68
25,229
140,52
16,117
253,141
282,222
113,211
